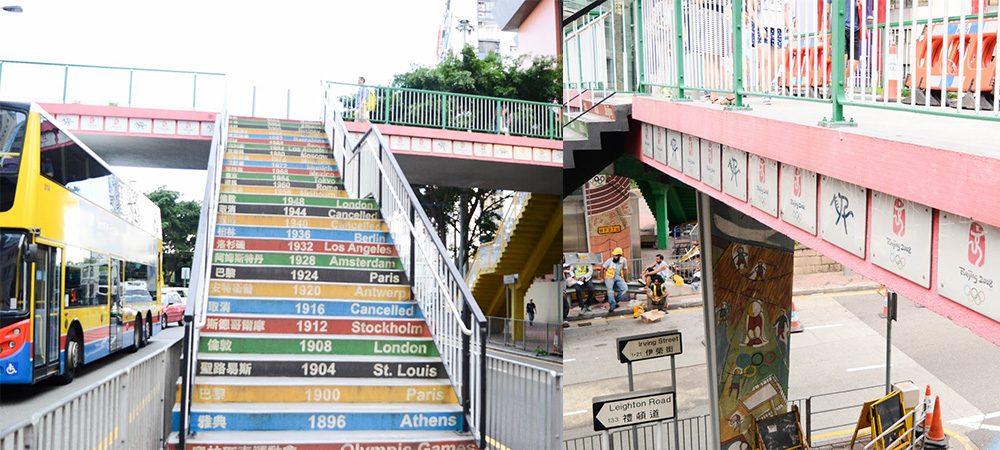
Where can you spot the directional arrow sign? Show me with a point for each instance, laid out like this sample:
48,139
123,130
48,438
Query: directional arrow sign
648,346
634,408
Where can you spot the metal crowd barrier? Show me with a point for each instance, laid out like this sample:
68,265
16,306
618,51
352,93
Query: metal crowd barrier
126,410
694,433
416,107
369,169
524,407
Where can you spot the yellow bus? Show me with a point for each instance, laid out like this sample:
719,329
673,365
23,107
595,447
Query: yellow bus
80,253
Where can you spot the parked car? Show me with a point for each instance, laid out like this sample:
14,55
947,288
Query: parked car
173,308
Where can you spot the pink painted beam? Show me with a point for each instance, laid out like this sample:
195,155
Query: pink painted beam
980,325
118,111
960,183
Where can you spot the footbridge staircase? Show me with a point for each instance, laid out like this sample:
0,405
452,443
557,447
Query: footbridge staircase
326,313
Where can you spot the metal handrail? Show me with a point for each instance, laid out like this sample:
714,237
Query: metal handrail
369,169
195,312
495,247
452,111
131,71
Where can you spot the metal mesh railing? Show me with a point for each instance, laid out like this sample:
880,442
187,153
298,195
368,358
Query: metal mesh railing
433,109
694,433
522,334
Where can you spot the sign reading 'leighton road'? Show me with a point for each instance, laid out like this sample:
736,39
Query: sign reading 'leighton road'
648,346
634,408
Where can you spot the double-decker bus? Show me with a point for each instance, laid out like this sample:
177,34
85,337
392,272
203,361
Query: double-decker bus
80,253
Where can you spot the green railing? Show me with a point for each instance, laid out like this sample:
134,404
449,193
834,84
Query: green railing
415,107
732,49
106,85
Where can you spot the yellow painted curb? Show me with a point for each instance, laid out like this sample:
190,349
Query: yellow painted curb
307,291
230,189
302,222
210,393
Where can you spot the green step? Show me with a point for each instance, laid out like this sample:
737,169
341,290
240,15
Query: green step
308,345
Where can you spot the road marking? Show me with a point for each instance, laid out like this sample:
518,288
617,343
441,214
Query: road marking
496,443
569,360
582,411
976,422
867,432
858,369
814,327
833,294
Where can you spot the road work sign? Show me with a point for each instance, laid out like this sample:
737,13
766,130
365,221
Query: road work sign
634,408
649,346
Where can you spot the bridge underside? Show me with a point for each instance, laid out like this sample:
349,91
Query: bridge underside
134,151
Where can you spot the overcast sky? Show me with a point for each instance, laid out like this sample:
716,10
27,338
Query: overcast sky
274,45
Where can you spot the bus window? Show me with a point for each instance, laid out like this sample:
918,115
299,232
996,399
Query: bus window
12,126
13,303
66,162
83,277
140,282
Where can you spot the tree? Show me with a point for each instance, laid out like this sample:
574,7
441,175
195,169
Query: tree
532,78
180,227
483,210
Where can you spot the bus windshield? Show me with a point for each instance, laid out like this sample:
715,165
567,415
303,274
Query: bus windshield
12,127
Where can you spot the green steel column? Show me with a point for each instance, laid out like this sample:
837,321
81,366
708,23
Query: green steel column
130,73
638,45
662,219
837,22
679,32
65,81
194,95
738,54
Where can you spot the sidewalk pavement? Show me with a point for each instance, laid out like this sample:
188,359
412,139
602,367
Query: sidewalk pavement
807,284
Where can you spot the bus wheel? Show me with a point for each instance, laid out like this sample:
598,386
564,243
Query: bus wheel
141,333
74,358
163,322
149,329
137,333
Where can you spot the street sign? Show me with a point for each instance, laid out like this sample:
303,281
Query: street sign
510,279
649,346
185,273
634,408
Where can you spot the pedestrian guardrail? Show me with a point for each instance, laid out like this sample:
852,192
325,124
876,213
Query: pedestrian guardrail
125,410
694,433
108,85
445,110
368,168
939,60
489,253
536,337
525,409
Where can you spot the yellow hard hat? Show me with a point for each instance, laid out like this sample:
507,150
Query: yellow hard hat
617,251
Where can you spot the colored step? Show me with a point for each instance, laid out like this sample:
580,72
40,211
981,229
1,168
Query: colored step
312,159
274,136
301,211
302,222
314,326
265,416
305,291
233,146
330,440
293,200
308,247
393,309
281,177
365,237
279,142
211,392
309,153
255,121
279,165
327,368
295,132
298,192
302,260
306,275
283,184
307,345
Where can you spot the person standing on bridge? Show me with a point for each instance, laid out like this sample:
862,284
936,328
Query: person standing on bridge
614,278
361,102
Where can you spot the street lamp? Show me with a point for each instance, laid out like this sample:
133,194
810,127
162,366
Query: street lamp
13,9
465,28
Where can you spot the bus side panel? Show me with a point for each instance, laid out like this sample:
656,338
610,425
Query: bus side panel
15,365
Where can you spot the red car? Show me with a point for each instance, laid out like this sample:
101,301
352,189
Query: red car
173,309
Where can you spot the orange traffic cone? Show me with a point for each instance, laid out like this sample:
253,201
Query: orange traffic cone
922,428
885,308
796,326
935,437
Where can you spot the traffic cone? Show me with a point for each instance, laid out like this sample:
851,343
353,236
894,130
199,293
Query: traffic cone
796,326
922,428
892,73
936,439
885,308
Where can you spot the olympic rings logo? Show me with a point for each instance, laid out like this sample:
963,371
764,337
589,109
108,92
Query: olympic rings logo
797,215
975,295
897,260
